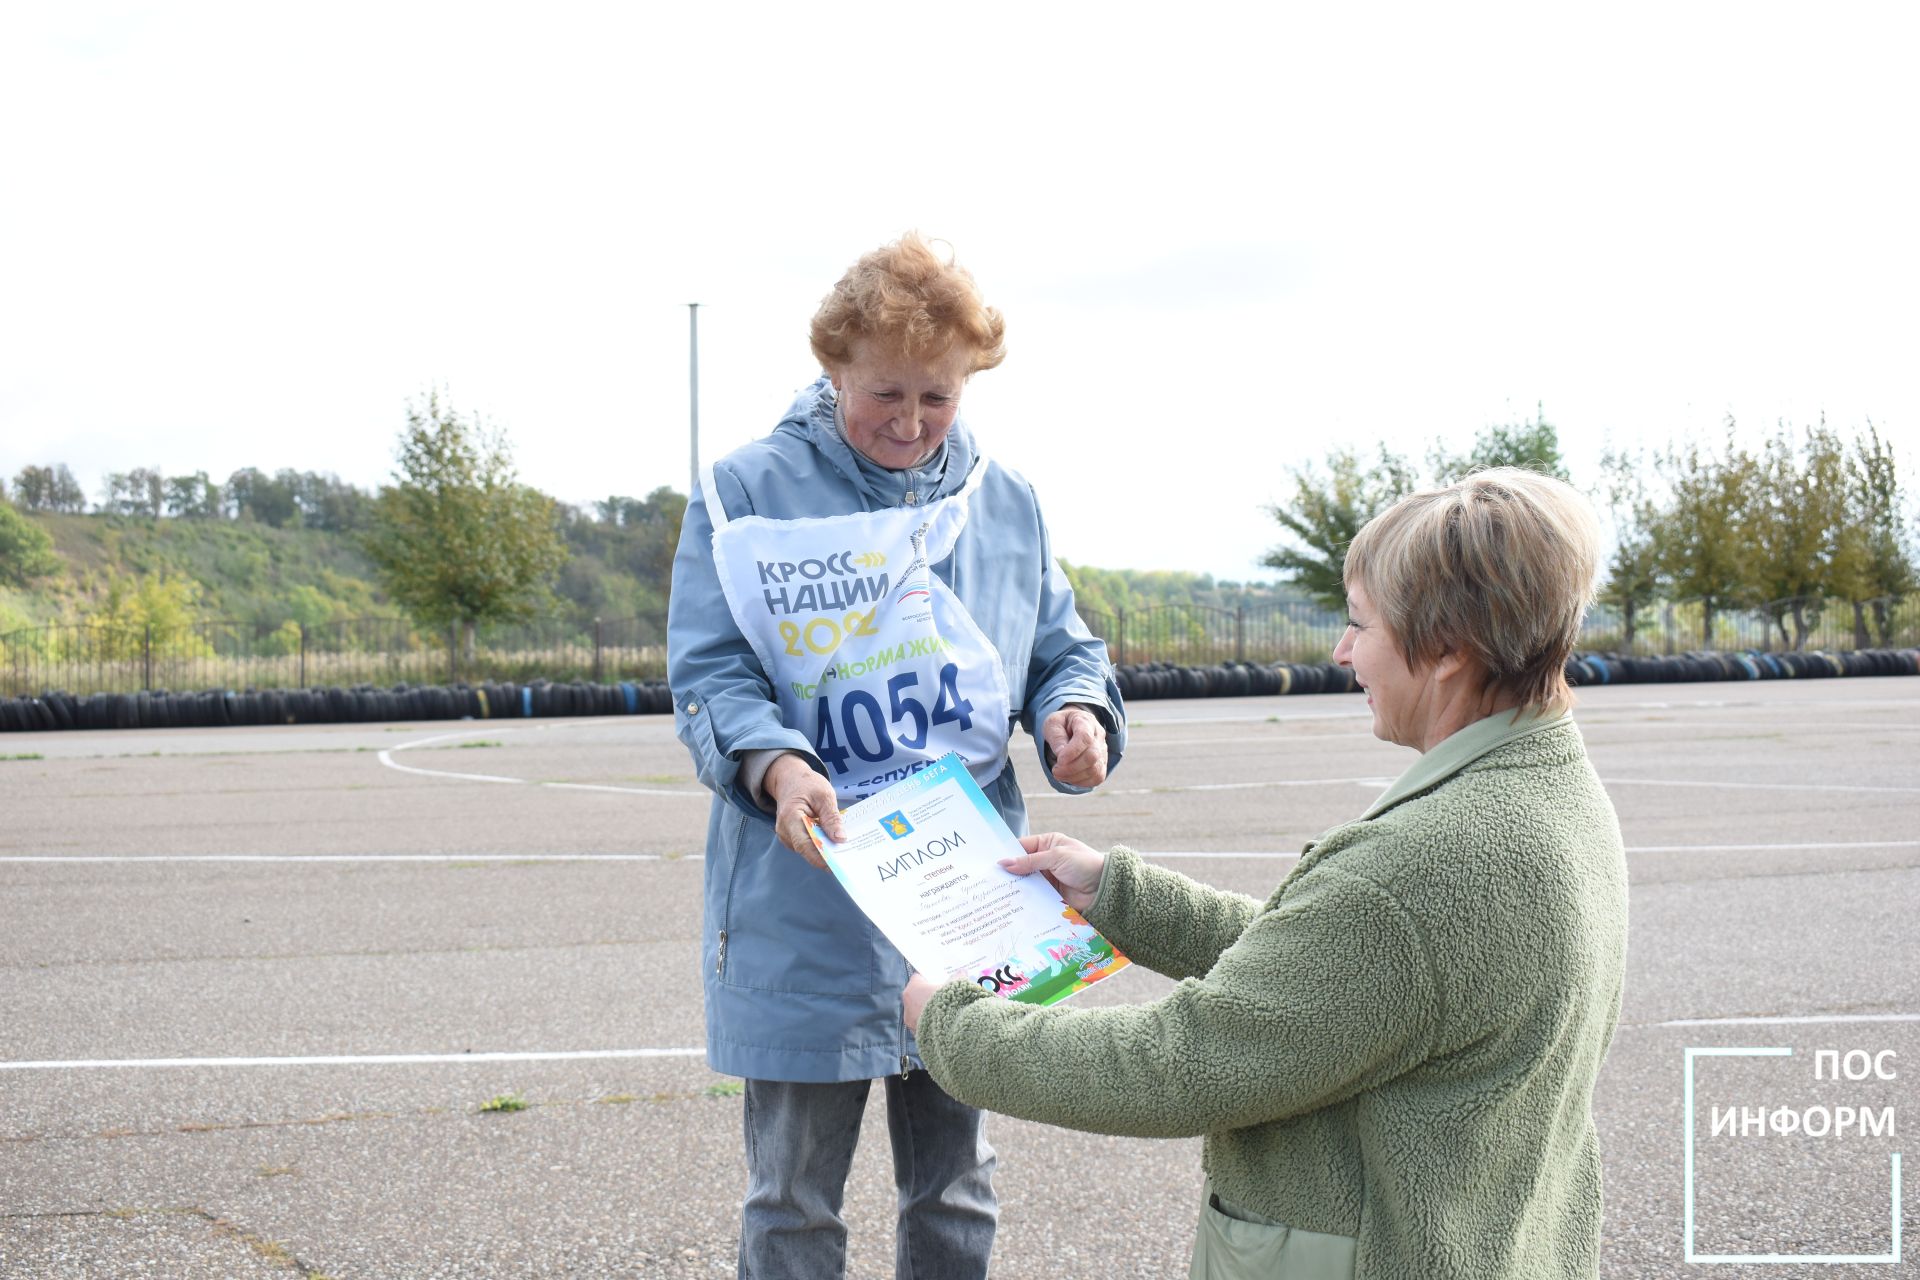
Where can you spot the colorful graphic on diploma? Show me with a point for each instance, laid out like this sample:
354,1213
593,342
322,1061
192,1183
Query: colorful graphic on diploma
922,860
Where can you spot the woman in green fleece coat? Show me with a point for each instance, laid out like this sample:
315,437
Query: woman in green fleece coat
1392,1058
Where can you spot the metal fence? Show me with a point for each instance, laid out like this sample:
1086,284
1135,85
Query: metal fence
84,658
1201,635
1779,626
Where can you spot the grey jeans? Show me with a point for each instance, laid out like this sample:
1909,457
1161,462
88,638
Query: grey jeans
800,1140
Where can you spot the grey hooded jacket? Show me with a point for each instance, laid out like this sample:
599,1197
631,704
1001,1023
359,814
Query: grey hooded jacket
799,986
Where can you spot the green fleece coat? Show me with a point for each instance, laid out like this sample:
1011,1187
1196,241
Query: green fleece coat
1400,1045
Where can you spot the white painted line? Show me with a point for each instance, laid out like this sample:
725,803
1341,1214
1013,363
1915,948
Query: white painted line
1202,853
1270,739
1813,724
1136,723
1763,848
1753,786
1640,848
630,791
355,857
1371,783
387,760
353,1060
1253,854
488,727
1786,1021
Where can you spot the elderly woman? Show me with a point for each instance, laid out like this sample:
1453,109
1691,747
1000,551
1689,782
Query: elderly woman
854,596
1392,1058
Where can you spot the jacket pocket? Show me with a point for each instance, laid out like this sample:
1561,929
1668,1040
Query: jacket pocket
1226,1247
790,928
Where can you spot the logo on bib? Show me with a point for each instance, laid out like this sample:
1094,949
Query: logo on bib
896,825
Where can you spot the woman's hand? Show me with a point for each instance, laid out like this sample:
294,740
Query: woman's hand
913,1000
800,795
1071,867
1079,744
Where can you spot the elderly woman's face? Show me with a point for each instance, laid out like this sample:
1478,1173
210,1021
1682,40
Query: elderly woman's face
898,409
1401,700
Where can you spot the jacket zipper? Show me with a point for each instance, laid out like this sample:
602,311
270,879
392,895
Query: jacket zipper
720,961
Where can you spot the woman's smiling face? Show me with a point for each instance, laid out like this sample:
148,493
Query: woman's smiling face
1399,698
898,409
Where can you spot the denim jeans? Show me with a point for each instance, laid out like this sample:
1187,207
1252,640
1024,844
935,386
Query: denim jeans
800,1140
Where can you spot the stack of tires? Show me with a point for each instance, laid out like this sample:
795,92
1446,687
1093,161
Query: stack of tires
361,703
364,703
1684,668
1243,679
1230,680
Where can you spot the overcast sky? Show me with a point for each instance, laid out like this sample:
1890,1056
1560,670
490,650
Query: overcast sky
1226,237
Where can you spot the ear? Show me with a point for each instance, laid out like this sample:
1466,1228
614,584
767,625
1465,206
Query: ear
1451,664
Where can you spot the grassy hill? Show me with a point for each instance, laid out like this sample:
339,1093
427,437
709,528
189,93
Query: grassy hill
137,569
140,569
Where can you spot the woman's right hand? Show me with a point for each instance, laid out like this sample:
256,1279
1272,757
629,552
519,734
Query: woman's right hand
1072,868
799,796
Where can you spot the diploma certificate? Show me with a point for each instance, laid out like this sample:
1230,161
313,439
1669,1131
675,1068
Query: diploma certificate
922,860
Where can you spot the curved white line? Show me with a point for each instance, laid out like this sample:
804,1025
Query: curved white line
386,758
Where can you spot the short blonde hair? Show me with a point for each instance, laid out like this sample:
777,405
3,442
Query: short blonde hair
1501,564
907,297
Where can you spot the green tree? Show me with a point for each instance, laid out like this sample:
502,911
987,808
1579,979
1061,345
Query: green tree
1633,570
139,492
26,550
1797,527
1702,534
1878,509
1327,511
457,539
252,494
33,488
1534,445
193,497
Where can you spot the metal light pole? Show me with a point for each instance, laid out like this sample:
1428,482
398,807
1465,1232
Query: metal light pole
693,395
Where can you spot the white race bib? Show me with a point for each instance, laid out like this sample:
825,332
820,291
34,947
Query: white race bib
871,656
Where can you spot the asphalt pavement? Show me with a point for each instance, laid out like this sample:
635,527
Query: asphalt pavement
257,987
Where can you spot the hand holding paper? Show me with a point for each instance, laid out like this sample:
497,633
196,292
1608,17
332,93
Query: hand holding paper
801,798
1070,867
926,860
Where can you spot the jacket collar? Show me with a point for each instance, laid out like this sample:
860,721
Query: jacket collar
1462,749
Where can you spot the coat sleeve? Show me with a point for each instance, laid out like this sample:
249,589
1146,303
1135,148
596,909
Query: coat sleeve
1166,921
1069,665
1323,997
723,704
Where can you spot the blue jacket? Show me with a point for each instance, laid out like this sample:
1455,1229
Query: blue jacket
799,986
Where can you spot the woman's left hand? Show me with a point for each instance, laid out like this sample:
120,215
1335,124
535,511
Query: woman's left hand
920,989
1079,744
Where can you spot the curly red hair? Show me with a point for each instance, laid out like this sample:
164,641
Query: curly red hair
909,298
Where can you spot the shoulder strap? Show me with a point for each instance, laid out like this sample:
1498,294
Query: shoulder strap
716,509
